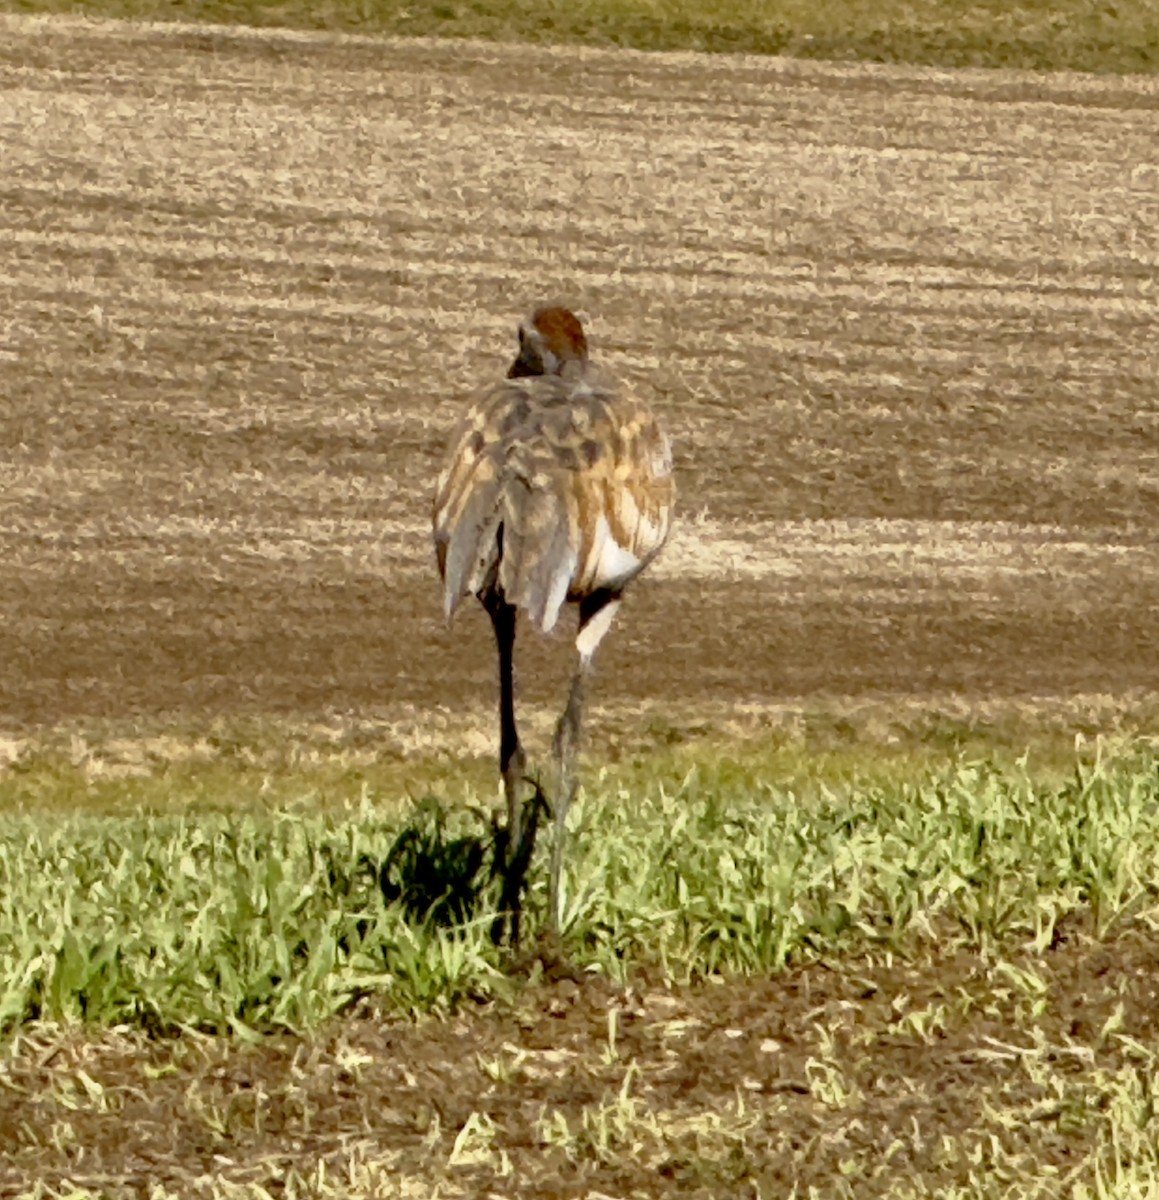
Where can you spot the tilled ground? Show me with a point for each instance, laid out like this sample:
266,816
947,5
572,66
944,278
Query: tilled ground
852,1079
902,325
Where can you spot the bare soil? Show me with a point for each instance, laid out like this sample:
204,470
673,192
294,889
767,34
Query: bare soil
583,1089
902,324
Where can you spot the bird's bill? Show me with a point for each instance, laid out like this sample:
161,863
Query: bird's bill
526,364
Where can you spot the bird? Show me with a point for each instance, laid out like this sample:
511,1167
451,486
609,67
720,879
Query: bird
557,491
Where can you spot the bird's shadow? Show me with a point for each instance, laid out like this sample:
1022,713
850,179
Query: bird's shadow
444,881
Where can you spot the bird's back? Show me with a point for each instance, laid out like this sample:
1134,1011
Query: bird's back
555,487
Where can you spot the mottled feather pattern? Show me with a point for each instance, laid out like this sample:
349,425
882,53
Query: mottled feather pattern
558,487
555,486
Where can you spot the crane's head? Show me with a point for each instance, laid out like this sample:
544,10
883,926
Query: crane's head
548,340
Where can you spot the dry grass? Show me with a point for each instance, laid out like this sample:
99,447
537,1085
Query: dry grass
1083,35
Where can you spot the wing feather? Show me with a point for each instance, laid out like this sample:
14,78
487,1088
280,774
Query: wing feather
553,488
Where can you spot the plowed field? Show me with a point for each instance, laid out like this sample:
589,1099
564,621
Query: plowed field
903,325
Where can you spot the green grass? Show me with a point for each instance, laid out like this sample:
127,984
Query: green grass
250,919
923,972
1085,35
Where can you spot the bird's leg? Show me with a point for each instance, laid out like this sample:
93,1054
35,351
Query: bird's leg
596,613
512,760
567,733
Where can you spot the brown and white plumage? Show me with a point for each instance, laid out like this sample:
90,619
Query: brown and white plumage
558,488
555,489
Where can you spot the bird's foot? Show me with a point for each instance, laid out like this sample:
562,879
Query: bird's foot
553,959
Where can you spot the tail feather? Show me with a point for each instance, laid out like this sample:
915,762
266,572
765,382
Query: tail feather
470,544
514,538
539,557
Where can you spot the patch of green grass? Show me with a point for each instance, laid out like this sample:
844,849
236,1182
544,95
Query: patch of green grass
261,764
214,921
229,766
709,879
254,919
1085,35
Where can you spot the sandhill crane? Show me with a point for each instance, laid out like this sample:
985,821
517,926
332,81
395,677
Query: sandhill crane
558,488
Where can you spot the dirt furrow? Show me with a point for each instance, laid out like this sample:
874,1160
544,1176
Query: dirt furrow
903,325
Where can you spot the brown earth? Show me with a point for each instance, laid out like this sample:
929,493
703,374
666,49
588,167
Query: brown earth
902,324
870,1075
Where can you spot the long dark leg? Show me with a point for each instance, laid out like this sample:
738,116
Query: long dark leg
512,760
596,612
